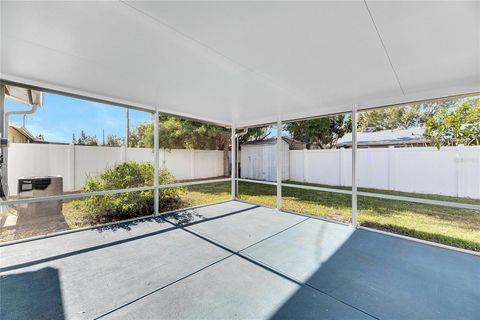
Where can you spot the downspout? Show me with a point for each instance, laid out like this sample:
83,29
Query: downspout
18,112
237,136
4,161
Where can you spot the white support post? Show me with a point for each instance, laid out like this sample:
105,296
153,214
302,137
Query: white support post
233,160
3,150
279,164
3,125
354,165
156,199
237,164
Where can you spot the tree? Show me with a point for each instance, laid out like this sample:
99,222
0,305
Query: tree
141,136
320,133
254,134
458,126
114,141
402,117
389,118
40,137
85,139
178,133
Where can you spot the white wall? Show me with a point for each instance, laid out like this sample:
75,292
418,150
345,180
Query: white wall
76,163
453,171
259,162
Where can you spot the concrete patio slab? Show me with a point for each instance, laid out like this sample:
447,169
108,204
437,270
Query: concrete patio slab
91,281
388,277
208,212
237,289
312,242
240,229
292,267
65,243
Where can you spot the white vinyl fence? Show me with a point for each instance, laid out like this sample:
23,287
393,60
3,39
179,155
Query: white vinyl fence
76,163
453,171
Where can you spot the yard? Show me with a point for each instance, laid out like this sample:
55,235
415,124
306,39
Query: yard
450,226
446,225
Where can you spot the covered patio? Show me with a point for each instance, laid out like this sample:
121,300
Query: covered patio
235,67
235,260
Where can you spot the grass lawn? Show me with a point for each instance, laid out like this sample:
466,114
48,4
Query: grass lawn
451,226
206,193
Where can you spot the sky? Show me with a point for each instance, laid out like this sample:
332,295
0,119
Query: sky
60,116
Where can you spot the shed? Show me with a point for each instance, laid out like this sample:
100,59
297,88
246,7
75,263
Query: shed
258,159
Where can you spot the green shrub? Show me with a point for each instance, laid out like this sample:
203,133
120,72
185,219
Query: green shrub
114,207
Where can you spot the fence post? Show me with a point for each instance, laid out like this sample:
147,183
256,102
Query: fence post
340,165
458,169
71,166
192,164
162,160
123,155
305,155
391,168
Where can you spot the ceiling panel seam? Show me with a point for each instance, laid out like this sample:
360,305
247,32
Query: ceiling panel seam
299,95
384,47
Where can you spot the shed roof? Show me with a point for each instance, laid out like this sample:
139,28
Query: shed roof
245,63
272,141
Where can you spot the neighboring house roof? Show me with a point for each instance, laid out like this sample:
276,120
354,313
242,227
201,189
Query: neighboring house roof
294,144
386,138
25,96
23,131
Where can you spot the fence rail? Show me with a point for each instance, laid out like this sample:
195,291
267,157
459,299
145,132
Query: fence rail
451,171
77,163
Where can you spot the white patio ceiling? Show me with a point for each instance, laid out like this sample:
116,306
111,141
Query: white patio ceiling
243,62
